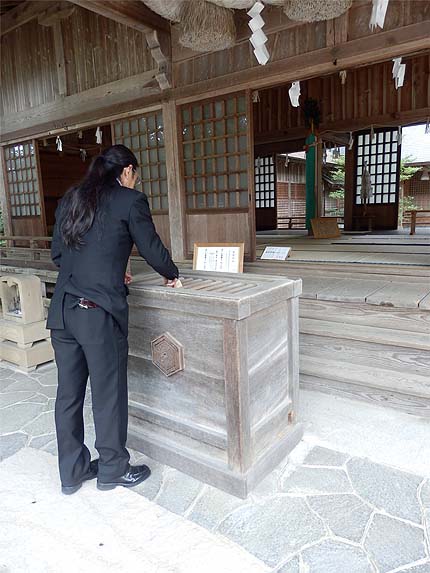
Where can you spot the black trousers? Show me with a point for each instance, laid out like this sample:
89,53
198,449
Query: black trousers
90,344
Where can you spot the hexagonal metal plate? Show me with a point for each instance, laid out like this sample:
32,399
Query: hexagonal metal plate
167,354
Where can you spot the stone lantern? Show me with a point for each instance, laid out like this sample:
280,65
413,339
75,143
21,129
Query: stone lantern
24,340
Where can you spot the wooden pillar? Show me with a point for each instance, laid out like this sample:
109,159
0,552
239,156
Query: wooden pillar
310,181
251,177
319,207
4,196
176,195
349,189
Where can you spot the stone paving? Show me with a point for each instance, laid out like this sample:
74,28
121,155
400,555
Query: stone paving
320,511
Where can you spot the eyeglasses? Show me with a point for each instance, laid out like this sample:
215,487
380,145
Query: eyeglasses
138,180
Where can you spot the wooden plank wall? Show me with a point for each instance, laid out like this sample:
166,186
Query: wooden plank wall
287,39
96,51
27,63
218,227
368,96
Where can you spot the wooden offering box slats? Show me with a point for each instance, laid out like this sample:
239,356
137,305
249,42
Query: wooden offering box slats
213,375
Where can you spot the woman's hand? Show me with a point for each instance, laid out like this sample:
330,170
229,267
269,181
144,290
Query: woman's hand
128,278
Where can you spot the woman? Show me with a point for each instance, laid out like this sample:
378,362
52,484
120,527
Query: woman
97,223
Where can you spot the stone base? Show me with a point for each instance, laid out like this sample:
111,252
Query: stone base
27,358
205,467
23,334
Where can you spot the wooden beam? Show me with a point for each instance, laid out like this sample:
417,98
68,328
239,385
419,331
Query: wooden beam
369,50
60,62
55,13
52,18
332,131
89,104
22,14
132,13
164,76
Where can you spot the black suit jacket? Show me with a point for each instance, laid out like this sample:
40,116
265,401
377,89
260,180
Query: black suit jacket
96,270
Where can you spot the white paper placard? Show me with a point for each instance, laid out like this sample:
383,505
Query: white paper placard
221,258
276,253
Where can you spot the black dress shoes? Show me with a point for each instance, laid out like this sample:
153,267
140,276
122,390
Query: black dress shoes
91,474
133,476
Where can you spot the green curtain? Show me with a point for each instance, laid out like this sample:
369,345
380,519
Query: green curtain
310,180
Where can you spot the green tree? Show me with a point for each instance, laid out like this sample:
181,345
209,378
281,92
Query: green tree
337,178
406,172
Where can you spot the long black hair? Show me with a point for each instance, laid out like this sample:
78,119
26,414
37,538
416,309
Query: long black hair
80,203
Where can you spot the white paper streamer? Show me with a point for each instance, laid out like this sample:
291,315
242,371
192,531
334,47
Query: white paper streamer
427,129
366,185
372,134
294,93
99,136
351,141
59,143
379,9
258,38
80,135
342,75
83,154
398,72
399,137
255,96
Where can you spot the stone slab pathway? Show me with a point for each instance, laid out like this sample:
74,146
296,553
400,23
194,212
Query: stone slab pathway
320,511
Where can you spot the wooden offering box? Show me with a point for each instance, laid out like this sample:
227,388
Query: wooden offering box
214,375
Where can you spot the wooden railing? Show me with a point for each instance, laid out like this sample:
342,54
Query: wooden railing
9,241
29,250
413,218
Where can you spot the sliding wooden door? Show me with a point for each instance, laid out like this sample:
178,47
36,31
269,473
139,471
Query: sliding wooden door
217,171
23,189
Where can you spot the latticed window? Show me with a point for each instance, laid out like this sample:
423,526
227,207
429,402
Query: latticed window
215,156
22,180
381,154
265,183
145,137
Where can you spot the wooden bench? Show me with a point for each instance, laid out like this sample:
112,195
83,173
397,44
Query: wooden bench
413,216
292,220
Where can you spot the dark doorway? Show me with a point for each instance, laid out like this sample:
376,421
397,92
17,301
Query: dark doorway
60,170
265,193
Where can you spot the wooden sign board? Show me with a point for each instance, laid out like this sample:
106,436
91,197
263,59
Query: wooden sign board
325,228
276,253
219,257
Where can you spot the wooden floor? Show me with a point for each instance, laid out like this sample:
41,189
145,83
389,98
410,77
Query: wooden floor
364,313
397,249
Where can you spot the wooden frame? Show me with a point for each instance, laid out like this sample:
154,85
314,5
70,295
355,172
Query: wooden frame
137,134
240,246
383,137
28,201
213,156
